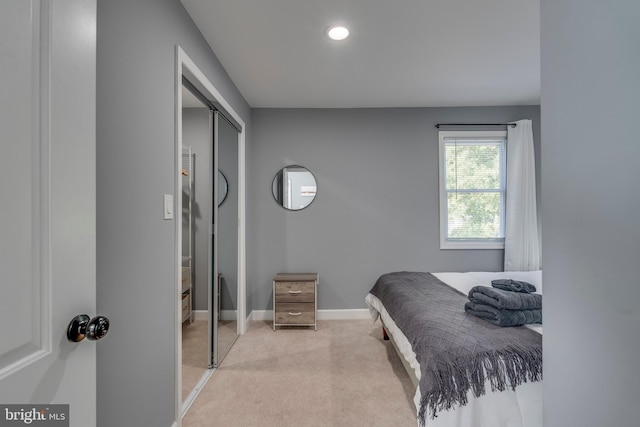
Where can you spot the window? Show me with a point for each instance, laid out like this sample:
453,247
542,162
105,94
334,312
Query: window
472,189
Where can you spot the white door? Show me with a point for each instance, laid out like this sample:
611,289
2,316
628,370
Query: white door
47,205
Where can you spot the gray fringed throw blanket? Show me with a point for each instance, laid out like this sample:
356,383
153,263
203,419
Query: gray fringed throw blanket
457,352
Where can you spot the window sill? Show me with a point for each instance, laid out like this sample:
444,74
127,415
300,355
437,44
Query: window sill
470,245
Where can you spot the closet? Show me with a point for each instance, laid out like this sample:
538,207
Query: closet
209,261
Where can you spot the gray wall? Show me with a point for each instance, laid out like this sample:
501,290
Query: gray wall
376,209
135,166
591,201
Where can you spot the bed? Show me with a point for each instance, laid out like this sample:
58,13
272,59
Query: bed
519,404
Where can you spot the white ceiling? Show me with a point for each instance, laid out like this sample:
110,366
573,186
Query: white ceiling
401,53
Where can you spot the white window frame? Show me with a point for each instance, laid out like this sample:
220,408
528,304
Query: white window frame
446,243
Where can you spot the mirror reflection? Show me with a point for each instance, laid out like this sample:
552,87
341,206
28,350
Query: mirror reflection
226,303
223,188
196,139
294,187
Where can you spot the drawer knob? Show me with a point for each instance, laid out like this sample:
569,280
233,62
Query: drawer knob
295,314
295,292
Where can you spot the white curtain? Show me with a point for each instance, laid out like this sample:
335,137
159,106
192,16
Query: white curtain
521,243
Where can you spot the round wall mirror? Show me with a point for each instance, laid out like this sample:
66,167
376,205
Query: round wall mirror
294,187
223,188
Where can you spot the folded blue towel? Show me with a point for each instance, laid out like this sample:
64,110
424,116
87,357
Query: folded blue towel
513,285
504,300
504,317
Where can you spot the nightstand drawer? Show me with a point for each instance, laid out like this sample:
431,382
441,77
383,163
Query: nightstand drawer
295,292
185,306
302,313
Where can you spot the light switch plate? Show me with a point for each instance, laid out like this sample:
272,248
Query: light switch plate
168,206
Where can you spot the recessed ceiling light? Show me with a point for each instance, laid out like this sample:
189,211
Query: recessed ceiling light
337,33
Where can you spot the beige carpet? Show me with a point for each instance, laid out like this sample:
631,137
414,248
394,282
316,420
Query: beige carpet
227,335
194,349
342,375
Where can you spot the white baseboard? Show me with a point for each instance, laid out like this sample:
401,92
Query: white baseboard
348,314
200,314
261,315
224,314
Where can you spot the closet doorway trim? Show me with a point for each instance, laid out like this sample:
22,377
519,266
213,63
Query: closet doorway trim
186,68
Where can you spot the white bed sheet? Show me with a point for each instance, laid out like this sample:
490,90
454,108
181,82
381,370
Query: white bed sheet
521,407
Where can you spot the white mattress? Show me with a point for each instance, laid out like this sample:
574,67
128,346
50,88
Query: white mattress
519,408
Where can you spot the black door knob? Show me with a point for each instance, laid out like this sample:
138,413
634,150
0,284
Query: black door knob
82,327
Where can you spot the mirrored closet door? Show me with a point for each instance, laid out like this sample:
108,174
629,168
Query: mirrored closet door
209,237
226,301
197,146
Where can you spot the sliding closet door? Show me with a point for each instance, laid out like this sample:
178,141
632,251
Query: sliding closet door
197,145
213,265
226,238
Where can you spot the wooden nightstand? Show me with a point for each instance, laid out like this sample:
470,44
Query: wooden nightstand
295,300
